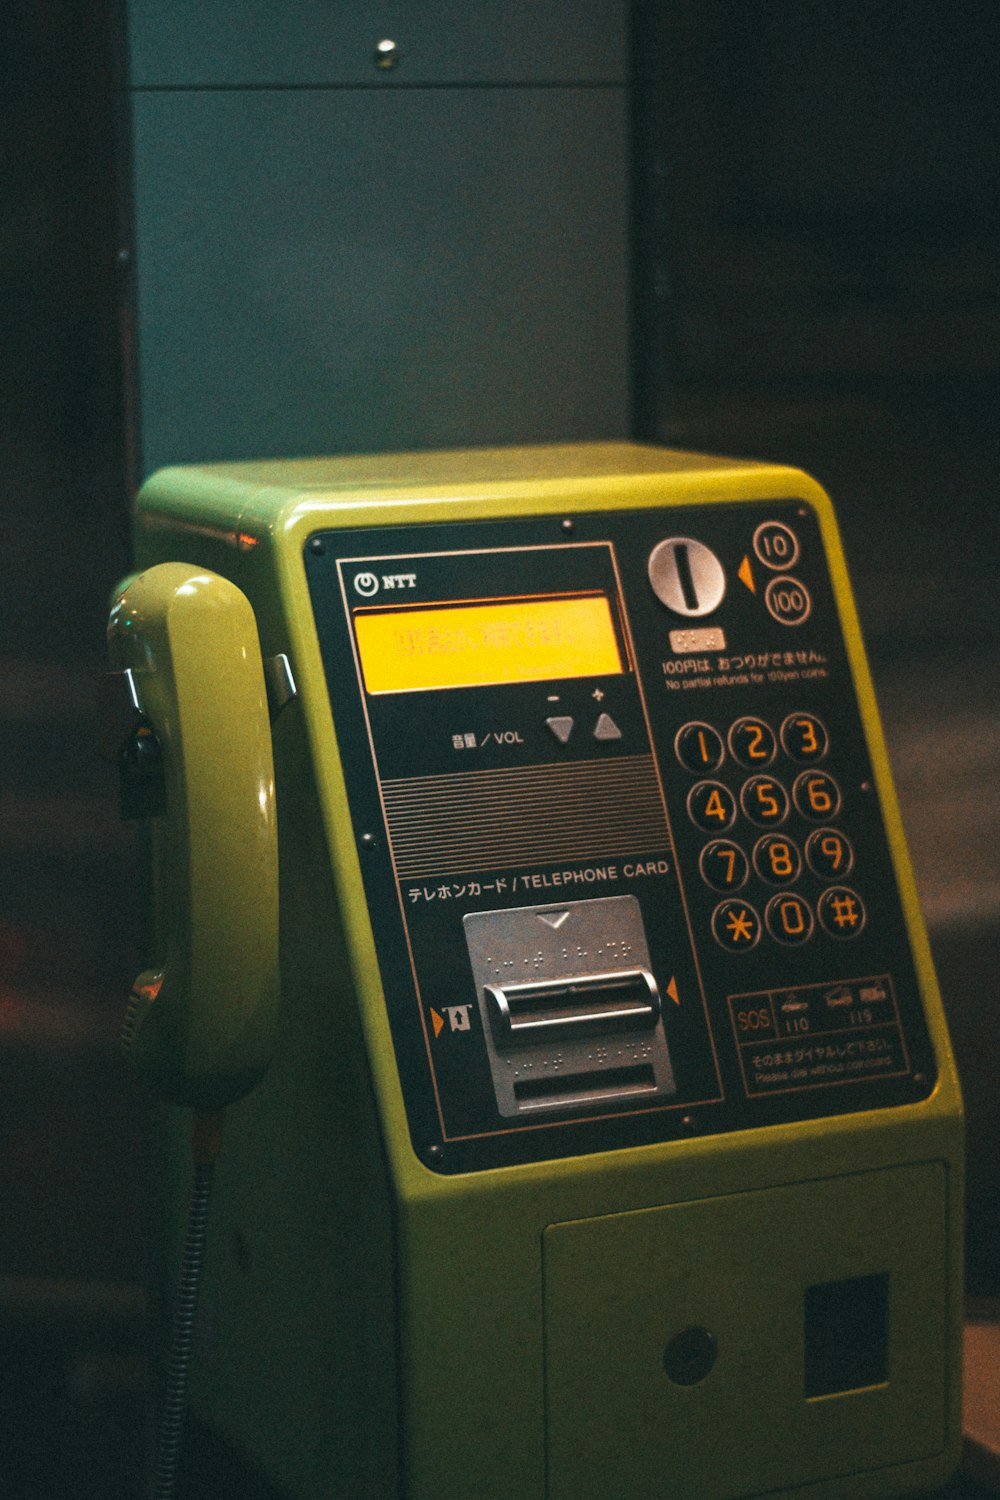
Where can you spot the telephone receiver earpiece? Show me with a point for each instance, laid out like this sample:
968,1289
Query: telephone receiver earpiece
201,1020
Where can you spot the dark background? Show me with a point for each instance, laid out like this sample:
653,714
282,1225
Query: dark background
816,281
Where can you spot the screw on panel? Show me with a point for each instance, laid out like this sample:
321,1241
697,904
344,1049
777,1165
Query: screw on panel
317,546
386,54
434,1153
368,841
568,525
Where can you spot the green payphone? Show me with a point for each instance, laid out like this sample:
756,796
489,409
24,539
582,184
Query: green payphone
611,1145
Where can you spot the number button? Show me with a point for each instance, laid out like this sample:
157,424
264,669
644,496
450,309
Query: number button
752,743
776,545
712,806
804,737
842,912
699,748
829,853
724,866
736,926
764,801
789,919
817,796
776,859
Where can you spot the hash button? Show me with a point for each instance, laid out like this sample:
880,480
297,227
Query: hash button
841,912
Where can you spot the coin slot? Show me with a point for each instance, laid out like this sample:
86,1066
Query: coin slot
587,1004
584,1088
683,564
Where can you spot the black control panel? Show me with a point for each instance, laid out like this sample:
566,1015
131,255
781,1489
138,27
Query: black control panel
623,852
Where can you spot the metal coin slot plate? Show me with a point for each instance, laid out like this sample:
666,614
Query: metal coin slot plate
570,1009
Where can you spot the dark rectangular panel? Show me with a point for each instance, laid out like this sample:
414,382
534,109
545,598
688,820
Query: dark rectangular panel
212,43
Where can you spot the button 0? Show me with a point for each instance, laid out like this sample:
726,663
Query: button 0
686,576
789,919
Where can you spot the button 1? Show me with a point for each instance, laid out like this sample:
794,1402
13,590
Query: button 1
789,919
788,601
686,576
829,853
736,926
561,727
841,911
752,743
723,865
712,806
606,729
699,748
764,801
776,545
776,859
804,737
816,795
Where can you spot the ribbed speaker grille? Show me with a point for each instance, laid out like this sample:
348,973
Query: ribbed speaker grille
494,820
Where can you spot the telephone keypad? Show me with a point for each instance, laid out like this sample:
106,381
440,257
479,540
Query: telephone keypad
776,859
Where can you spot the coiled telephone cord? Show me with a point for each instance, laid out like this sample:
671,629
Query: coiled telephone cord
206,1140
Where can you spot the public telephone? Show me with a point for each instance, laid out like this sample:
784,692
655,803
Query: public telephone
612,1144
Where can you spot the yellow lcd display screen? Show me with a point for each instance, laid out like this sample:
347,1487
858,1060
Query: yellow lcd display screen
474,645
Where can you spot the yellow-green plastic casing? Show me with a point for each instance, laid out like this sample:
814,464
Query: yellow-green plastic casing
379,1330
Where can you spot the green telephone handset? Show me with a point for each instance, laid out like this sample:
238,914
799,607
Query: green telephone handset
202,1019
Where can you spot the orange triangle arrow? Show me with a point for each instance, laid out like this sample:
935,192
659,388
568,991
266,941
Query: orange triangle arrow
438,1022
745,575
672,991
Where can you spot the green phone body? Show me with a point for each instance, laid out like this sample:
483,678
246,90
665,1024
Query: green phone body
612,1143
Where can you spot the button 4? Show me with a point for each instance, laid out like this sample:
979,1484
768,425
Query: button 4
712,806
